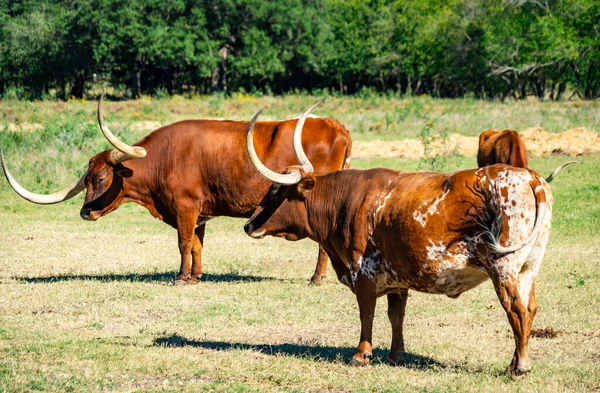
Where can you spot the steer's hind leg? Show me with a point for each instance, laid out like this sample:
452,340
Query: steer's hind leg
396,309
197,254
321,267
516,293
186,221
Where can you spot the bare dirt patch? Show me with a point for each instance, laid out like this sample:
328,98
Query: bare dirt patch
24,127
574,142
540,143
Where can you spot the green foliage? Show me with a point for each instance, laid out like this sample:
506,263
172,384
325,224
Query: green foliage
448,48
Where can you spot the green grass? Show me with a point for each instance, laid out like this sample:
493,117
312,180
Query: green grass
88,307
48,143
377,117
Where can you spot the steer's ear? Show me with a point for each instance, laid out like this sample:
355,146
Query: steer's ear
123,171
306,184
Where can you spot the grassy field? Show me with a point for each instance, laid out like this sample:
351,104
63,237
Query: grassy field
376,117
88,307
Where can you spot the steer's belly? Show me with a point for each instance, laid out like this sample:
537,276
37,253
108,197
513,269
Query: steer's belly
438,270
456,280
451,282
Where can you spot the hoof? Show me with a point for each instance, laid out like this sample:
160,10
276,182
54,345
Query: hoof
360,360
398,360
518,372
180,282
316,280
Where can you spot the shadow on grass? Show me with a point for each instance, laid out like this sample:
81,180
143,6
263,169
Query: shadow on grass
315,352
164,277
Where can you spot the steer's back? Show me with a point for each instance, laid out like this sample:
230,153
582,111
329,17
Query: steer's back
207,161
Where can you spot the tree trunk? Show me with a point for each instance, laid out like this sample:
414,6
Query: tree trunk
522,89
136,83
403,85
562,86
589,85
417,88
540,86
78,86
219,75
172,83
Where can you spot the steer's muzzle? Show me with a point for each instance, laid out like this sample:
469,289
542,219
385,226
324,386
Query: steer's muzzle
252,232
85,214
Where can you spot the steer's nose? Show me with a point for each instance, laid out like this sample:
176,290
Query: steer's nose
247,227
85,213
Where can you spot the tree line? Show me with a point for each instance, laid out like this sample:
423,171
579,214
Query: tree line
493,49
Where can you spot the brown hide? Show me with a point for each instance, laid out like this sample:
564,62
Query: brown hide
188,172
502,147
198,169
388,231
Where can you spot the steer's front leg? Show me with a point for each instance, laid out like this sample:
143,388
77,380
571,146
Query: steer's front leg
187,239
396,308
366,294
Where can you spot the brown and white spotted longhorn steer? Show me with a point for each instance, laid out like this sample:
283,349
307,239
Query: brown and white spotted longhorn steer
387,231
498,146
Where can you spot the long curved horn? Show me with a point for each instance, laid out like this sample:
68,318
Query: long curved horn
558,169
57,197
123,151
297,141
285,179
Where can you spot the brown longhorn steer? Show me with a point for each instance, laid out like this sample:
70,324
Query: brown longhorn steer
387,231
191,171
498,146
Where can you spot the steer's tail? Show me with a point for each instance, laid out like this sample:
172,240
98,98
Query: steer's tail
347,157
559,168
491,219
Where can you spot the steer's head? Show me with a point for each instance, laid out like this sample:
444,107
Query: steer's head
104,186
103,179
282,212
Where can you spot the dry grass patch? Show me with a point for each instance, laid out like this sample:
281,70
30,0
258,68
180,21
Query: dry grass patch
90,307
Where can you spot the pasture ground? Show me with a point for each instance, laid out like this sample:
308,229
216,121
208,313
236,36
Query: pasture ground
88,307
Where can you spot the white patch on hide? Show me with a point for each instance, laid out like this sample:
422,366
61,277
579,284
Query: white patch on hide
421,217
370,264
387,279
382,198
458,279
450,270
435,252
